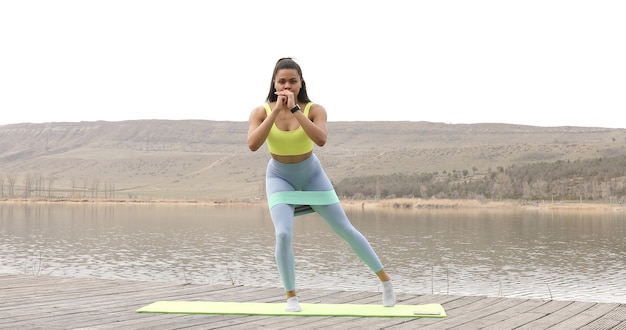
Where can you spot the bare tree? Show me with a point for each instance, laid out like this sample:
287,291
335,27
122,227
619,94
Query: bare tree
28,185
11,180
95,183
109,188
1,186
606,190
50,182
73,182
38,180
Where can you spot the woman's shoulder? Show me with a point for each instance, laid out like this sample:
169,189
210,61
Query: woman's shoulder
261,108
316,107
258,112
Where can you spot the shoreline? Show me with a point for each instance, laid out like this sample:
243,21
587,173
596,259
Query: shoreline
435,205
395,204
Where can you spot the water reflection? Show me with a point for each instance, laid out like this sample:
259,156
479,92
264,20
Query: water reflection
559,255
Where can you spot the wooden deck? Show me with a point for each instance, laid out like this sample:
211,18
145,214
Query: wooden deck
45,302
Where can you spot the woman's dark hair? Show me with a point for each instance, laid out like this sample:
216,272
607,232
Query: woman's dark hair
287,63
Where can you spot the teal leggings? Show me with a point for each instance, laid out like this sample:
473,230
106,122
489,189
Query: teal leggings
308,175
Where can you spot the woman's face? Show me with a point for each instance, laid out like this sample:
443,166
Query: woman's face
288,79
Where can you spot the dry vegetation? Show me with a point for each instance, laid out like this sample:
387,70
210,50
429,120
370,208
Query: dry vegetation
209,160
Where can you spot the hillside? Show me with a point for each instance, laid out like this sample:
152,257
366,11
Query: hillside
198,159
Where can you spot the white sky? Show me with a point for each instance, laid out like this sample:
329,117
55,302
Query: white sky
532,62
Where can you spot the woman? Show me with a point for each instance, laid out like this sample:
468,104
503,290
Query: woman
295,180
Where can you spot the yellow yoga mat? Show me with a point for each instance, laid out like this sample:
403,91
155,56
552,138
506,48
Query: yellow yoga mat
277,309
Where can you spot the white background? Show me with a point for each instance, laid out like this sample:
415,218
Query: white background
543,63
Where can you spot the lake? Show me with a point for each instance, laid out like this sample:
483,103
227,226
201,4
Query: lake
544,254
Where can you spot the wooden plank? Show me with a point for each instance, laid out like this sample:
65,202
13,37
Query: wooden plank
552,306
36,302
244,294
69,300
129,301
585,317
611,320
514,317
555,313
76,309
460,317
69,292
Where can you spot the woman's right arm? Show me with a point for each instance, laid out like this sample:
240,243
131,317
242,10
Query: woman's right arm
259,127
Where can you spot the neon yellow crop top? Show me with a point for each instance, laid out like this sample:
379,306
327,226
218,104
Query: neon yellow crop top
289,143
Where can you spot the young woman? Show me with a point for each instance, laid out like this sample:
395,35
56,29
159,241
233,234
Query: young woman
295,181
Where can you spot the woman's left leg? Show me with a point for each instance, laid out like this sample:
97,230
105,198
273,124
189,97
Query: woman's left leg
336,218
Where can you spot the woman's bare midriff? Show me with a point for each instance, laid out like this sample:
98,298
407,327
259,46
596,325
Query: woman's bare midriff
292,159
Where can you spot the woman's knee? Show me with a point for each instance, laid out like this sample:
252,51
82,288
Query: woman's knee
283,237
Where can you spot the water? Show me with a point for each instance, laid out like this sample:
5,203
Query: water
560,255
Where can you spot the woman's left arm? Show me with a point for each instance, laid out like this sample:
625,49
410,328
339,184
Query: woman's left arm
315,125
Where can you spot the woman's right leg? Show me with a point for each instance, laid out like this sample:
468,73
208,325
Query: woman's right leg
283,218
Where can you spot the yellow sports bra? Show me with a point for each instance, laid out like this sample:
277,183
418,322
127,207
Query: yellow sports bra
288,143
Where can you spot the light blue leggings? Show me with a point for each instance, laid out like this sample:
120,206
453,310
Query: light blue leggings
308,175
